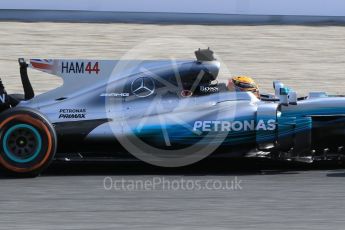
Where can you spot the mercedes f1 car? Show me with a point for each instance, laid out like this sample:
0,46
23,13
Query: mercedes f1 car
167,113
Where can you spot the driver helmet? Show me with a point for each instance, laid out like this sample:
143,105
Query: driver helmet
244,84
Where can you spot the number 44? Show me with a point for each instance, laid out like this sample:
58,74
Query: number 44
91,69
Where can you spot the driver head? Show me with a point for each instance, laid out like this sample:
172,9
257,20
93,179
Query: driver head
244,84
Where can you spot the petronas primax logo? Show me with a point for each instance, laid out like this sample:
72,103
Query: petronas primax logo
234,126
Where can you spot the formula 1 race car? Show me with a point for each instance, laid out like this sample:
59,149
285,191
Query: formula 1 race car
167,113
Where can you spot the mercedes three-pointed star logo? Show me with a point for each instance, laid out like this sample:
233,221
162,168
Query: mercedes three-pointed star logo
143,87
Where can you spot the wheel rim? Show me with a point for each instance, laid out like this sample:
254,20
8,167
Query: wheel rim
22,143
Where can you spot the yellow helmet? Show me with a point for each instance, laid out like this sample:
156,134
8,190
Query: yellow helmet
244,84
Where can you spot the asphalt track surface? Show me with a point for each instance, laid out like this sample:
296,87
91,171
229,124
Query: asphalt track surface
306,57
262,200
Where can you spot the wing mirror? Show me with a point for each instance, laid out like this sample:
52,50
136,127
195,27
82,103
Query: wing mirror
293,98
286,95
277,85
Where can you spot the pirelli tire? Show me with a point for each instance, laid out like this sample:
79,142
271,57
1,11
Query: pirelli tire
27,142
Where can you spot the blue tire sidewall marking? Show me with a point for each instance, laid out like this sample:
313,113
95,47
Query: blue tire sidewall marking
14,158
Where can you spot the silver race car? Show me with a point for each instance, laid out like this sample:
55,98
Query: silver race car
167,113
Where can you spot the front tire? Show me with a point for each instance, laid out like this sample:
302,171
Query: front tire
27,142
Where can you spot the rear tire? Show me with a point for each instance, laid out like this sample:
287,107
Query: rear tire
27,142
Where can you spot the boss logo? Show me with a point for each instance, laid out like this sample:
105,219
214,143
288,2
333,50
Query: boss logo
209,89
